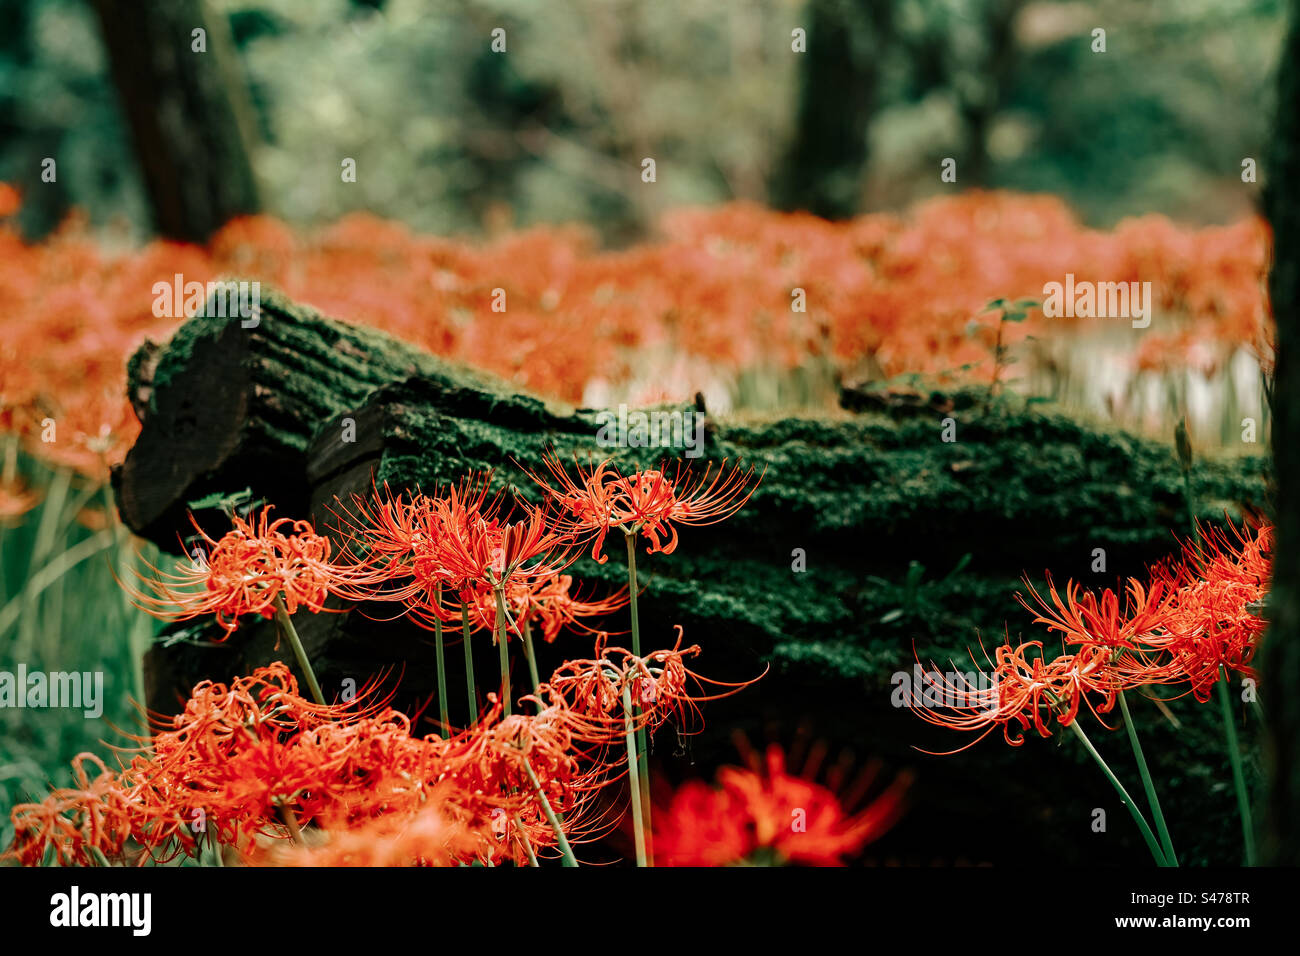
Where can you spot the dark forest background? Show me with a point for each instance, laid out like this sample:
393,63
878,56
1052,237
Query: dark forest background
452,137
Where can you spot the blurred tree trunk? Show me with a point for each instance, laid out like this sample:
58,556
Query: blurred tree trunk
189,113
824,165
1281,653
978,102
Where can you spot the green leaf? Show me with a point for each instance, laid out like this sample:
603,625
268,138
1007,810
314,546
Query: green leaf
229,502
964,560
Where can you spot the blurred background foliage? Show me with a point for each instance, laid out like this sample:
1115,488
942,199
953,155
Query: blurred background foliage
452,137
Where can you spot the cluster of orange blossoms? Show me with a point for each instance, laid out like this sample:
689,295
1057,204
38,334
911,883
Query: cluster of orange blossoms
277,779
1197,620
711,297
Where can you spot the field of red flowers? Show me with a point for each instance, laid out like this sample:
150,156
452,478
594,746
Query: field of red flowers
723,292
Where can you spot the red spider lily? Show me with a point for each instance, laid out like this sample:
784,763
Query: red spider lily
1197,617
763,812
548,606
661,686
501,554
396,535
1084,618
651,503
591,503
1027,690
498,758
496,749
238,753
226,760
1132,633
94,816
405,535
247,571
1212,622
553,605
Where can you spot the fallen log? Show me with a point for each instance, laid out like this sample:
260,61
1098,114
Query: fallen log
810,578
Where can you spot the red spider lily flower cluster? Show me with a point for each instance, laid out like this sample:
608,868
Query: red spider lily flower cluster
1213,620
440,552
243,760
548,607
763,811
250,570
1197,619
650,503
228,761
282,780
663,688
896,291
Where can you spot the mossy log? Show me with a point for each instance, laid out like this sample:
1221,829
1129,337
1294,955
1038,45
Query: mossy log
810,578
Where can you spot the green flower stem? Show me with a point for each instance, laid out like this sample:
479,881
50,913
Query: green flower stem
560,839
532,658
1238,778
471,689
1148,784
642,750
528,844
501,650
532,665
443,710
638,821
632,589
290,633
1152,843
